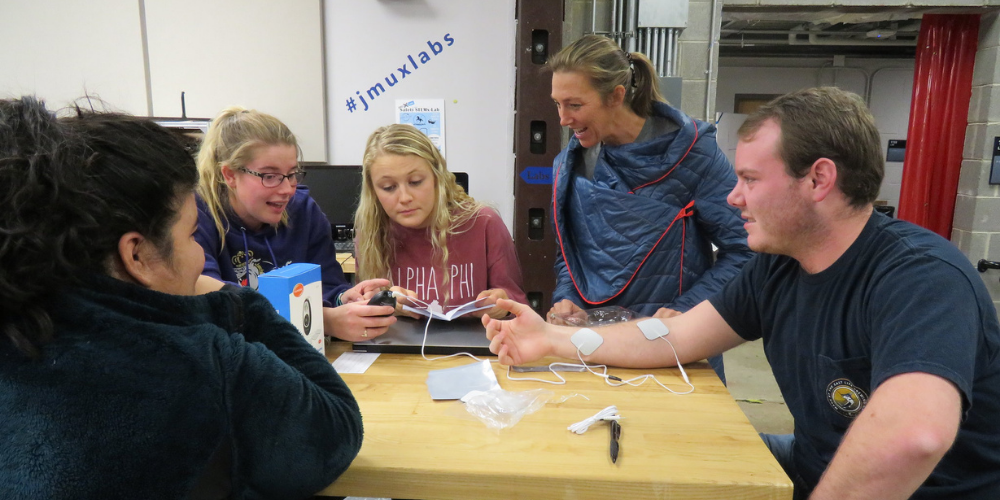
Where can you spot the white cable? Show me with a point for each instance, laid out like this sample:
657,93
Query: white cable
561,381
609,379
684,374
423,343
614,381
634,382
567,397
609,413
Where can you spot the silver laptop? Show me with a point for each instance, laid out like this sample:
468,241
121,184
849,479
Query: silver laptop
443,337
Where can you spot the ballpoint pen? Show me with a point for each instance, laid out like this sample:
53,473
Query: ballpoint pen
616,432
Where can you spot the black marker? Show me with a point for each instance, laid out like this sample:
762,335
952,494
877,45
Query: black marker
616,432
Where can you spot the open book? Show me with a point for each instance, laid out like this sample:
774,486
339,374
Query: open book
434,310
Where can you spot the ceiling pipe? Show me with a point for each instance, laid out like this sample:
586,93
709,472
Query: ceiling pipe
793,35
752,41
593,16
815,39
713,40
632,26
830,33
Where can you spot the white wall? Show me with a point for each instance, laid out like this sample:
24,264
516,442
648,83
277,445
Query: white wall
260,54
60,50
891,91
366,42
726,137
270,56
257,53
891,82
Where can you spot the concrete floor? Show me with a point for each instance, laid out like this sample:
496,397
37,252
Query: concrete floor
751,383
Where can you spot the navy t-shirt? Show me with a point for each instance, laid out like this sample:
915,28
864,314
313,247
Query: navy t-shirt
901,299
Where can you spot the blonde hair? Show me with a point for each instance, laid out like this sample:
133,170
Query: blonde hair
607,66
453,207
233,139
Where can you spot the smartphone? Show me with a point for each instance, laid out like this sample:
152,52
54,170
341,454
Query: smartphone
383,298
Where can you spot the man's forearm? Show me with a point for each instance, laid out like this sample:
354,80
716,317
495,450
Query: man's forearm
909,424
696,335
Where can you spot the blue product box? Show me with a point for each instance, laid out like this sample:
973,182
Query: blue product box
296,292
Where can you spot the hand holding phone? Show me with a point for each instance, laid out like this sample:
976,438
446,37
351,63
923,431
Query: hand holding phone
383,298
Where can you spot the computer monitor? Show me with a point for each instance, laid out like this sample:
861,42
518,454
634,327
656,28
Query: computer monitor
336,189
462,179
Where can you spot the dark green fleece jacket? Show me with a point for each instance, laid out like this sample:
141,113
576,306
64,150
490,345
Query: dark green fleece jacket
148,395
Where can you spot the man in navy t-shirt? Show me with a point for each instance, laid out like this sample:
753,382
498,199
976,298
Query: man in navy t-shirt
882,337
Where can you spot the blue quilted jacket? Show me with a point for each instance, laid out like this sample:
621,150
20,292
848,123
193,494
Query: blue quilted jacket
640,234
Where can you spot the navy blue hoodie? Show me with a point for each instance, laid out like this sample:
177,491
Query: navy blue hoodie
306,238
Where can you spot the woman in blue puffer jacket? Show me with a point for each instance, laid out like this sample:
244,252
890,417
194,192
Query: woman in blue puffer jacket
639,193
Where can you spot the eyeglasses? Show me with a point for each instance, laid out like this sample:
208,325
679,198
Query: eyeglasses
274,180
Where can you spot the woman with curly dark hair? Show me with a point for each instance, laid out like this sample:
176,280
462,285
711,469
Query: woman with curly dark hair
116,379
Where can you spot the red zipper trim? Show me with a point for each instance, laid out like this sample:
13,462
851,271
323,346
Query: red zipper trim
687,211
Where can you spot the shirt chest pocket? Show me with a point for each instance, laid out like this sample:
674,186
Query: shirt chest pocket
844,386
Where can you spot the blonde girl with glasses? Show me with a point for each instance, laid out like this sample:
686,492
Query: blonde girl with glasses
255,216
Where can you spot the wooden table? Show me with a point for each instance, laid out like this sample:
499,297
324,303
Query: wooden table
346,261
696,446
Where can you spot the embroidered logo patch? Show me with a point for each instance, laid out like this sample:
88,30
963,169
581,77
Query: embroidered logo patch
846,398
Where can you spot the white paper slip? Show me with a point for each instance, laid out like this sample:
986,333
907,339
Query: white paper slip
354,362
455,382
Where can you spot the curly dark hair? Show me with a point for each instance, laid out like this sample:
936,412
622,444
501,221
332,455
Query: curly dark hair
69,189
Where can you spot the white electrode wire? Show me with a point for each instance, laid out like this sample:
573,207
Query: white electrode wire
641,379
609,413
610,379
423,343
554,372
567,397
684,374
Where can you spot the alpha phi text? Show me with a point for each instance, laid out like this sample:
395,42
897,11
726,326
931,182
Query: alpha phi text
424,281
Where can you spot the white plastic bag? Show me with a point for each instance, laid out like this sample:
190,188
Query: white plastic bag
598,316
500,409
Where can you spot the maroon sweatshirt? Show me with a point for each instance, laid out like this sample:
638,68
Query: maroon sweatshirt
481,257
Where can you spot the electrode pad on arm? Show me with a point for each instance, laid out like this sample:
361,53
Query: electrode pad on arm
586,340
653,328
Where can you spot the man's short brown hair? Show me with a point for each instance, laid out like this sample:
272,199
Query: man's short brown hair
826,122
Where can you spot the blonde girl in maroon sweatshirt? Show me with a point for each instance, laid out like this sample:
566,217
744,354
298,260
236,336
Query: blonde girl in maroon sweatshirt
417,227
